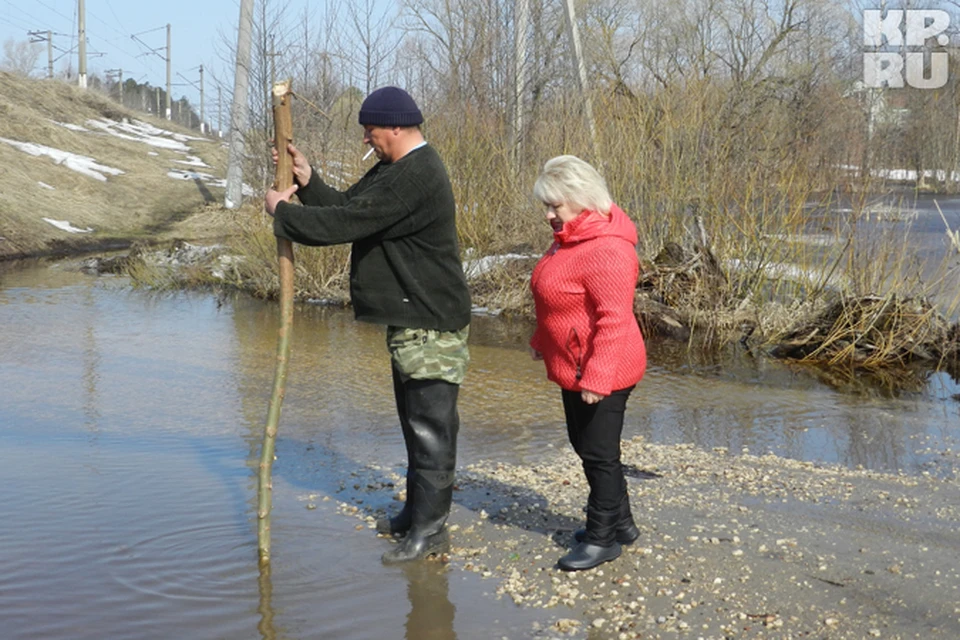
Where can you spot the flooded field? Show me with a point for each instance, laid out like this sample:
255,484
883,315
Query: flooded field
130,426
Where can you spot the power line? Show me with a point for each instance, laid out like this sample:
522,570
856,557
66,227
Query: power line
9,21
110,6
32,17
41,2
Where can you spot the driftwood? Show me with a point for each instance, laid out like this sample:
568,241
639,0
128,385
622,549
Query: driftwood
676,285
873,331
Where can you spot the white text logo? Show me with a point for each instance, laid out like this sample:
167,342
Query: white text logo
895,44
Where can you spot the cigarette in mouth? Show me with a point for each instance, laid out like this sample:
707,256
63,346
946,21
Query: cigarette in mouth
368,153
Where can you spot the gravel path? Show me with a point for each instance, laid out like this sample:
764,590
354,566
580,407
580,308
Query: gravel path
731,546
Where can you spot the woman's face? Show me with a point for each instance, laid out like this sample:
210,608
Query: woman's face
559,213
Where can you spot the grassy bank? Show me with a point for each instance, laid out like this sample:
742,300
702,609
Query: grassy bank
106,175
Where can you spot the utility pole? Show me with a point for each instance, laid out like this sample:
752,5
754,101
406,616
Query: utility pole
119,73
203,124
521,10
238,112
168,71
580,73
40,36
82,77
50,54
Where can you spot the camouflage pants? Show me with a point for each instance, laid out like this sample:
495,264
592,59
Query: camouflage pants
429,354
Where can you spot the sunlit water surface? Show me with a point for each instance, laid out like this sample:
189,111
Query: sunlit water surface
130,428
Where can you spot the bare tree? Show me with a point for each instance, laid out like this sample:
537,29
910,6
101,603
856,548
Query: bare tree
468,45
20,57
372,43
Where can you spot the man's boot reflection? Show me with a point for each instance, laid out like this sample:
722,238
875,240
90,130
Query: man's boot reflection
431,612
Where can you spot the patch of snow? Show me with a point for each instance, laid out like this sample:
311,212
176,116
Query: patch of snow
226,263
193,161
189,175
80,164
485,311
72,127
786,271
152,153
814,239
221,183
45,185
474,267
66,226
185,138
138,132
245,189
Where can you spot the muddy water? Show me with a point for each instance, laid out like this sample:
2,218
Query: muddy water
130,427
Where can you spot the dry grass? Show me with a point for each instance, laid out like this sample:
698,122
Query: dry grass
142,203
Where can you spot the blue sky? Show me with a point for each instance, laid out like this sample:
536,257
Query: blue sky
197,30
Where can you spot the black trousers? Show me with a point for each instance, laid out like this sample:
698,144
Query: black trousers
594,431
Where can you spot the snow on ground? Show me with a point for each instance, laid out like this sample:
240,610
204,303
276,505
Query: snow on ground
45,185
193,161
474,267
135,131
787,271
66,226
72,127
814,239
80,164
140,132
177,174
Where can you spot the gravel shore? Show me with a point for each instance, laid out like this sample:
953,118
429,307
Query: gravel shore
732,545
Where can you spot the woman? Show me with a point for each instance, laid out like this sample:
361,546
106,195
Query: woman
589,341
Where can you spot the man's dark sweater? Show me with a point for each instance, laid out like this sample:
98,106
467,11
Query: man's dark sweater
405,267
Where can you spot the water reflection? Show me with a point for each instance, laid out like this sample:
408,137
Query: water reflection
431,612
265,608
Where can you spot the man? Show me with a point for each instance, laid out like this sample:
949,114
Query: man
405,272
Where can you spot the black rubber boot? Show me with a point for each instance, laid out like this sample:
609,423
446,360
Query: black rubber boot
430,431
599,544
432,495
400,523
626,531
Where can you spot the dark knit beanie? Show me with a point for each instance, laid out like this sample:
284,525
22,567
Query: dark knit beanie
390,107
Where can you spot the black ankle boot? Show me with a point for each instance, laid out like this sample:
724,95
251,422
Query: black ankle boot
627,532
399,523
599,544
432,495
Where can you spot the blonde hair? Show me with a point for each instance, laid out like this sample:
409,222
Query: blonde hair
571,181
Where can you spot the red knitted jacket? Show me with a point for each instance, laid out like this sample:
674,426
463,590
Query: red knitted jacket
583,288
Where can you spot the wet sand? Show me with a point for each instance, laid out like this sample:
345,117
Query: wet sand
732,545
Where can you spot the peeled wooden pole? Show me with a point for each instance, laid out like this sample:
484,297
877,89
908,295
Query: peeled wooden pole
283,127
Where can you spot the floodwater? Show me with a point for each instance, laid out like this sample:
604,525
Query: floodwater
130,429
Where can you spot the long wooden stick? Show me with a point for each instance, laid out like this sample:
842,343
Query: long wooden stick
283,126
